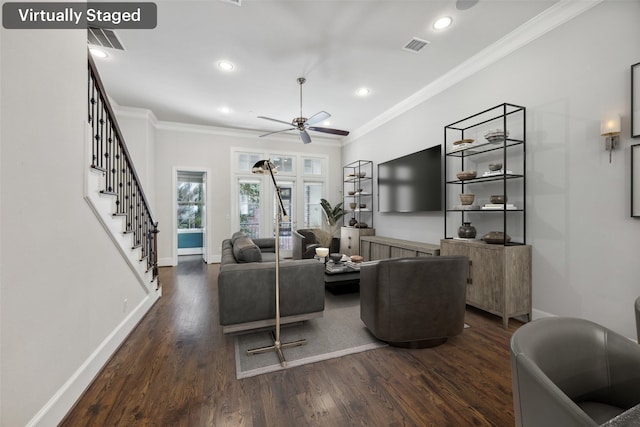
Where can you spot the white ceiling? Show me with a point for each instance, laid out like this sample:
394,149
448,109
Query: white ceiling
338,46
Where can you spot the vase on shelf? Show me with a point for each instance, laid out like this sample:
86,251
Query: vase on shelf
467,231
353,222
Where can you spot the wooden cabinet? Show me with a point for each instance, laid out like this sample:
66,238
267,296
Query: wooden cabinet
499,276
350,239
375,247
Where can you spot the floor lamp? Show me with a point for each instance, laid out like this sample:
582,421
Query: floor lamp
263,167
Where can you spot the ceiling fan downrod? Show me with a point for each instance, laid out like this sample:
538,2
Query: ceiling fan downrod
301,81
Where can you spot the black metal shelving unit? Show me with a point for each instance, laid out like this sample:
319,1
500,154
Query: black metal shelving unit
511,182
358,179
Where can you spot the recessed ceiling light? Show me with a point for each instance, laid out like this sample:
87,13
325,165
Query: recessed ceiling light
363,91
224,110
225,65
98,53
442,23
326,123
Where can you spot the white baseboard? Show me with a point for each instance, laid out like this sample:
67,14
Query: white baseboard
165,262
63,400
539,314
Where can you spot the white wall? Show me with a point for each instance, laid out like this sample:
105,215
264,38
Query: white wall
63,281
585,245
196,147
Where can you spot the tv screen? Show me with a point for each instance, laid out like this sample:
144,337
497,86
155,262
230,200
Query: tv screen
412,183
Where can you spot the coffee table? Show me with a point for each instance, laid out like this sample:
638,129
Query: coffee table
346,278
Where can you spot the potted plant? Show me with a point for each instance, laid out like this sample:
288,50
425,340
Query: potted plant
332,216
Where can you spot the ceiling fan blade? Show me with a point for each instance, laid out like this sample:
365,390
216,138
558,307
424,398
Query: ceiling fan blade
318,117
329,130
305,136
275,120
277,131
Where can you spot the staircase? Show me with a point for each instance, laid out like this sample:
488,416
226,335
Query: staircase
113,188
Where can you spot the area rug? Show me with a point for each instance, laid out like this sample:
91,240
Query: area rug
338,333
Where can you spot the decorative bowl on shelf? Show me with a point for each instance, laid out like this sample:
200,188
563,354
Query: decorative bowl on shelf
363,205
498,198
497,135
496,237
463,141
352,193
463,175
467,199
353,205
356,258
495,166
362,174
361,225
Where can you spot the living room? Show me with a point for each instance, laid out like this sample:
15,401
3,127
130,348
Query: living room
63,284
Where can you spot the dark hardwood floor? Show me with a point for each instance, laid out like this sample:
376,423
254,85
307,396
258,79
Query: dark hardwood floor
177,369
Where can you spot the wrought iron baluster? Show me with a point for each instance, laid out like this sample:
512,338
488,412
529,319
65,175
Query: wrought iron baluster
110,155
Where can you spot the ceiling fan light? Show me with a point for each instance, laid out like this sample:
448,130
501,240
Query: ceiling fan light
442,23
226,65
98,53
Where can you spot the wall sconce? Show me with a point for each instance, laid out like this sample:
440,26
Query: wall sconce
610,128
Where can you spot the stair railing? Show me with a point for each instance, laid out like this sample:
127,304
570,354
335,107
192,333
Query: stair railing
111,157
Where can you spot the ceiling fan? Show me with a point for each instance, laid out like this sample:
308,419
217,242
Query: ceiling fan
303,124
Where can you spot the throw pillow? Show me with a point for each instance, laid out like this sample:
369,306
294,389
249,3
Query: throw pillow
245,250
237,235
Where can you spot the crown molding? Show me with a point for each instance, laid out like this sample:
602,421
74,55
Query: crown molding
546,21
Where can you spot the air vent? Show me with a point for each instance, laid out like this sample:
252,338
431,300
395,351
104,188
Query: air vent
103,37
415,45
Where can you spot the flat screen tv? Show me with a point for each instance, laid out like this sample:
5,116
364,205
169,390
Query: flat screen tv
411,183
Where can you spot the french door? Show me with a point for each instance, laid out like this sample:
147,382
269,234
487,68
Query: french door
256,209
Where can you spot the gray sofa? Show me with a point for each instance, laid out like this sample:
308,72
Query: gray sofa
246,285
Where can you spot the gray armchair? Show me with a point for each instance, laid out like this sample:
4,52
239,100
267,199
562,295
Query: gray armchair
572,373
414,302
304,244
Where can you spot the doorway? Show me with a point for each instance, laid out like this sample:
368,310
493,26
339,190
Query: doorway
191,218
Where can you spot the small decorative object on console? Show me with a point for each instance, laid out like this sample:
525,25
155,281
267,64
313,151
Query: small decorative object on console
496,237
467,231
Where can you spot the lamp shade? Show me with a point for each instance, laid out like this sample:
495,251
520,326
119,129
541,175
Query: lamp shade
610,125
263,166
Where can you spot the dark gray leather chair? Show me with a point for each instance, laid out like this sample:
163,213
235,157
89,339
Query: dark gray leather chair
414,302
304,244
572,373
638,318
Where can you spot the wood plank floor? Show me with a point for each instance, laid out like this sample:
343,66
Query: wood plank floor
177,369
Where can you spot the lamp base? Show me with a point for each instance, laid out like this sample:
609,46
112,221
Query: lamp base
277,347
610,143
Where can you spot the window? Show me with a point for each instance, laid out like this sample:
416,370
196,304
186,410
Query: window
190,201
312,167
